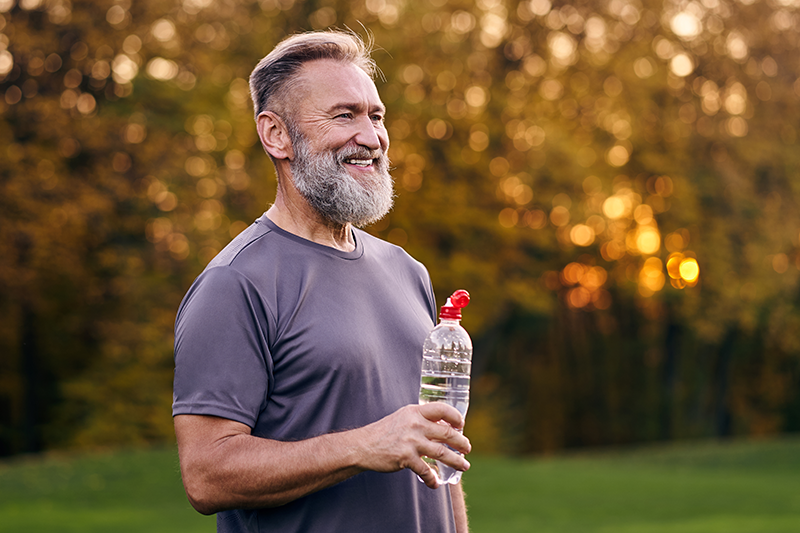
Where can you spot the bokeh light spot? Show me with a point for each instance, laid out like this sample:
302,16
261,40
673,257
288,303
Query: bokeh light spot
681,65
644,67
6,62
508,217
780,263
686,25
476,96
673,265
559,216
163,30
674,242
651,277
582,235
614,207
689,270
737,47
579,297
572,274
618,156
648,240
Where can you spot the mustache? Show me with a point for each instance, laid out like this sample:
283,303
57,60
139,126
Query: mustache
359,152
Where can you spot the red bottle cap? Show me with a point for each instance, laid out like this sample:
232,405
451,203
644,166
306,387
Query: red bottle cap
457,301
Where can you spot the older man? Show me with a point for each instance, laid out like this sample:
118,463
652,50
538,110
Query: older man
298,349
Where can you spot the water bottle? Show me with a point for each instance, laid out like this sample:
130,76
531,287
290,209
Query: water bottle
446,366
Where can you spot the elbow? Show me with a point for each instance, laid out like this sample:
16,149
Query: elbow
204,507
200,492
201,502
201,498
206,500
210,477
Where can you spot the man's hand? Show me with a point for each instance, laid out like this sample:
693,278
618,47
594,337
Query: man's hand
401,439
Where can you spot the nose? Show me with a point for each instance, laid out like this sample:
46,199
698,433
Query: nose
370,134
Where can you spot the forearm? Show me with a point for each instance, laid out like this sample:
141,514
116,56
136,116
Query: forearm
241,471
459,508
224,467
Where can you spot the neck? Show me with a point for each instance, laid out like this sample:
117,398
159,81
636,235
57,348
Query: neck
291,213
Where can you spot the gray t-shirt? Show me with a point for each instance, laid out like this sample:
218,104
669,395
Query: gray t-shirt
295,340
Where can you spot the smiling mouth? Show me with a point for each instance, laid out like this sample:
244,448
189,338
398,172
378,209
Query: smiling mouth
360,162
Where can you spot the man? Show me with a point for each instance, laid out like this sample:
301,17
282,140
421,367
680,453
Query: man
298,349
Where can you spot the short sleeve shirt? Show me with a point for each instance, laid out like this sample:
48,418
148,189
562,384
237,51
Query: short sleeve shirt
295,340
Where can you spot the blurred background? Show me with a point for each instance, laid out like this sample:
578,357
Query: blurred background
615,183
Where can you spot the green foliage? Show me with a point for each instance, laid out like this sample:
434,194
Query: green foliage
558,160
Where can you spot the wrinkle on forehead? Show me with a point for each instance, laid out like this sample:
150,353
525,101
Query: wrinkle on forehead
360,89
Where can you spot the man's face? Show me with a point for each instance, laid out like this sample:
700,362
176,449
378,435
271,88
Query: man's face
340,164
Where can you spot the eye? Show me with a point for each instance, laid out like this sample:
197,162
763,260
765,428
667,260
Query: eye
345,115
377,118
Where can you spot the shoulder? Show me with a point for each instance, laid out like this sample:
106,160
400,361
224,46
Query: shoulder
381,249
236,250
214,289
229,277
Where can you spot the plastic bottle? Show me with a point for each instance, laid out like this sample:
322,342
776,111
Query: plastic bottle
446,366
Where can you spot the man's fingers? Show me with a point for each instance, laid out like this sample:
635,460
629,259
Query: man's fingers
444,454
436,411
400,440
425,472
444,433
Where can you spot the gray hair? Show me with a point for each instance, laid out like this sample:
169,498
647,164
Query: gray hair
272,79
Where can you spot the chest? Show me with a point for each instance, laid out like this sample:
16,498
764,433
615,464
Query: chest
346,344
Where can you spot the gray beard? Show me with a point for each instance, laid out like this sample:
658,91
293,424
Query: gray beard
324,182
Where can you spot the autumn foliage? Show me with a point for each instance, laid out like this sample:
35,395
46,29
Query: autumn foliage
615,183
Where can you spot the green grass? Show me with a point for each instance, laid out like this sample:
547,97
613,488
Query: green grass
742,487
131,491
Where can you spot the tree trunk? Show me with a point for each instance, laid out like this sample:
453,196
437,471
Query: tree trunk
669,376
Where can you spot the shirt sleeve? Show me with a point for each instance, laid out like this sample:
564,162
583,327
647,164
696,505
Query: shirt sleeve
222,362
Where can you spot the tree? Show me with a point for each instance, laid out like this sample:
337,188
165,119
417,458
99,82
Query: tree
614,182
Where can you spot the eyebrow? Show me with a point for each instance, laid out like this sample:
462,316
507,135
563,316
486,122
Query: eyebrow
356,108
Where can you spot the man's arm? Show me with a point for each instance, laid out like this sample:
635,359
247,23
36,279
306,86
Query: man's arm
225,467
459,508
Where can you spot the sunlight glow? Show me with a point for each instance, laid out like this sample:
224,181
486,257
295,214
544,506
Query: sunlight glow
686,25
582,235
689,270
681,65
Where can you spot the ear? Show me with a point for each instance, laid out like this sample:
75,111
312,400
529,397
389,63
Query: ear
274,135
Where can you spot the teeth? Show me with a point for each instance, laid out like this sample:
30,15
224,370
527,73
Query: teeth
360,162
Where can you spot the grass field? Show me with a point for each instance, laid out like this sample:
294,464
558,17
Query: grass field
742,487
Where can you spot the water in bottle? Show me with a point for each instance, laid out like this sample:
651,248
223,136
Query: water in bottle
446,366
